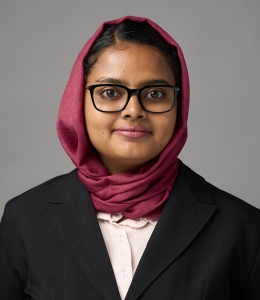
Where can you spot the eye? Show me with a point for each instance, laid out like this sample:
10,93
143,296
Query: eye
155,94
110,93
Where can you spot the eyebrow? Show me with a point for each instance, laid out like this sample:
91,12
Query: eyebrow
111,80
123,82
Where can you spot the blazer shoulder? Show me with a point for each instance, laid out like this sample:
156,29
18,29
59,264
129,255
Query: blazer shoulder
38,195
230,205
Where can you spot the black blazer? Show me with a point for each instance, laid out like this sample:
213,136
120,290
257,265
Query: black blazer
205,246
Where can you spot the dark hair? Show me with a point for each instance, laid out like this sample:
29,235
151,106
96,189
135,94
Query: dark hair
133,32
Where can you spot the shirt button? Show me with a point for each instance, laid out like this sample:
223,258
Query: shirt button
121,239
124,274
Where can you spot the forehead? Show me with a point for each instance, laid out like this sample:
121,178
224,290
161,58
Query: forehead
132,64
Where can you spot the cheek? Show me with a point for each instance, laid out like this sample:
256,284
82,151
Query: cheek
98,124
95,126
166,128
91,123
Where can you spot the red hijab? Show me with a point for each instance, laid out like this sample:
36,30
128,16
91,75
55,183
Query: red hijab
144,193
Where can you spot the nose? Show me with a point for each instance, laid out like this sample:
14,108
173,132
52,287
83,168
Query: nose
133,110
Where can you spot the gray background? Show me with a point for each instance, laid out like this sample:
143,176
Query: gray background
220,40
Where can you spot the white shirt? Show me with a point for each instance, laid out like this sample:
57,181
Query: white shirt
125,243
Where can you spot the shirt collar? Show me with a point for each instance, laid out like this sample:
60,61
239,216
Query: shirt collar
114,218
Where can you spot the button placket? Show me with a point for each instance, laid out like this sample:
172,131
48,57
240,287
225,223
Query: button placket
125,246
121,237
123,259
124,274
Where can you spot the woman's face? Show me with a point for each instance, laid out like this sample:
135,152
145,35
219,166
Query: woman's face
120,148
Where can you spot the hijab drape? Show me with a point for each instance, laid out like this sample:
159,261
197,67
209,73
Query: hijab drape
134,195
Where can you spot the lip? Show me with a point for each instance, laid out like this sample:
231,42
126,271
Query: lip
132,131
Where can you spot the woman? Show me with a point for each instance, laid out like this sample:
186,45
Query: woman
132,221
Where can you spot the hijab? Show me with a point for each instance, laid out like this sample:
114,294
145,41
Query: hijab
144,193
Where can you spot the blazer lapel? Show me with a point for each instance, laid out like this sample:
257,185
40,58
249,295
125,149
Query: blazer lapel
74,218
183,217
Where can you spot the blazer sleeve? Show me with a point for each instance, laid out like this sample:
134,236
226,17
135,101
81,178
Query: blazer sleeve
10,284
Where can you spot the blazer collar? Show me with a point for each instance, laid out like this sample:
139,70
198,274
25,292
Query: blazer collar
188,209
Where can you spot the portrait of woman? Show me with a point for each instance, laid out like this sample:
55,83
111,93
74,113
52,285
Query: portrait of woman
132,221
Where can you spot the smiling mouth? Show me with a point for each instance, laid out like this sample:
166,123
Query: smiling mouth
132,131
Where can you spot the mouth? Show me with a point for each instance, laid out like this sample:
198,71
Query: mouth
132,131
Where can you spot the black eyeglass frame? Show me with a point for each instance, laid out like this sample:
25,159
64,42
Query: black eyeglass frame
130,92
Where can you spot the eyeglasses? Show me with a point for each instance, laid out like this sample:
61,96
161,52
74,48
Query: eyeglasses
114,98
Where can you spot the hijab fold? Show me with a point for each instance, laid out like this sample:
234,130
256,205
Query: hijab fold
144,193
